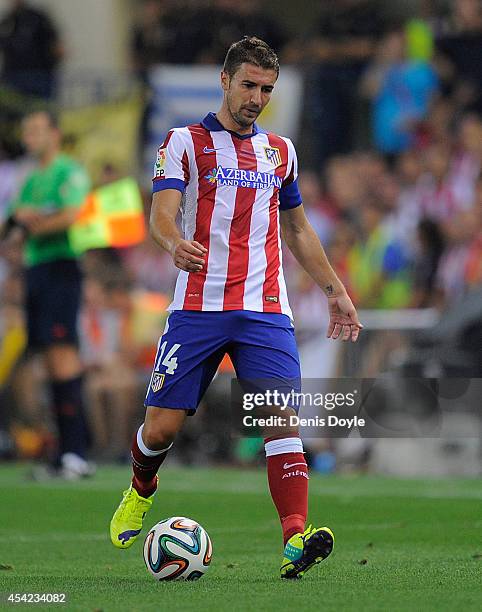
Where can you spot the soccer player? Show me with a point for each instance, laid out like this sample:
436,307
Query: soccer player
236,187
46,206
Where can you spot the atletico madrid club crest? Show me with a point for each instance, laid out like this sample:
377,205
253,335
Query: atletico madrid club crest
273,155
157,381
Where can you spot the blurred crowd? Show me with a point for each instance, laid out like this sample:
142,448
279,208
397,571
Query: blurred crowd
390,151
404,232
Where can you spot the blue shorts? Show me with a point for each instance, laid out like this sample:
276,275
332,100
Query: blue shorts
262,346
53,295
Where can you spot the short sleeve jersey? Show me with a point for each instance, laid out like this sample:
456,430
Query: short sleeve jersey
233,190
61,184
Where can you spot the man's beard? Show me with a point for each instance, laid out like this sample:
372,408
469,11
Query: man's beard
242,121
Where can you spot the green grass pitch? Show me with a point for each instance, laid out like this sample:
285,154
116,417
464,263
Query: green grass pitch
400,544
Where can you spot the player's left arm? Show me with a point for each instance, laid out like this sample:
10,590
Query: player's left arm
305,245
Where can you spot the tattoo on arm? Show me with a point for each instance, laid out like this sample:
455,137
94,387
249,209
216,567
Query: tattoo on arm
329,290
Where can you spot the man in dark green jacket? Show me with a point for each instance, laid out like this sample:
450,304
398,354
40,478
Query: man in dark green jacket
48,203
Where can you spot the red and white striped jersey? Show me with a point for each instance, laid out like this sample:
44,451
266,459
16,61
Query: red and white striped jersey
233,188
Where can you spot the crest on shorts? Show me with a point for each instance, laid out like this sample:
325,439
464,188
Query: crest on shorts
273,155
157,381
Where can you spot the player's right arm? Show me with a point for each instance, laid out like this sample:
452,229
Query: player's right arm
188,255
171,176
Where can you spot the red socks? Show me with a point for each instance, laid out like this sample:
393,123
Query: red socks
288,483
145,464
287,478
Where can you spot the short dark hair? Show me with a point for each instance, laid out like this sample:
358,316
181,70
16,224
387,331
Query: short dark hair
51,114
251,50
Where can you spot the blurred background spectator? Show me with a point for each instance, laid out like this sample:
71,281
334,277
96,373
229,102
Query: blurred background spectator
151,37
400,89
31,50
340,44
461,45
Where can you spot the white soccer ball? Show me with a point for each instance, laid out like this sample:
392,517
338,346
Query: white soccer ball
177,548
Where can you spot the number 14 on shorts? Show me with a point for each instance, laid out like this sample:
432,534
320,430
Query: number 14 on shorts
169,361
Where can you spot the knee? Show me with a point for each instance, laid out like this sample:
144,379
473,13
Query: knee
161,426
63,361
156,439
270,434
283,429
157,436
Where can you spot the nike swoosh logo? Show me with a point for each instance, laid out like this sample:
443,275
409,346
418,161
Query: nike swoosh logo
208,150
287,466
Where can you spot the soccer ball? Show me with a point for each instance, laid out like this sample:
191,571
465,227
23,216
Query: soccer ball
177,548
